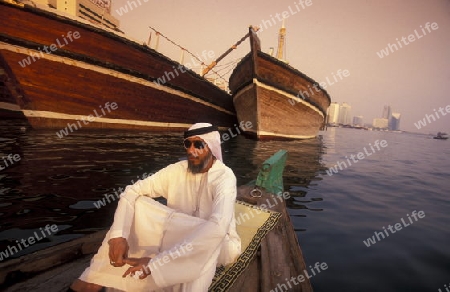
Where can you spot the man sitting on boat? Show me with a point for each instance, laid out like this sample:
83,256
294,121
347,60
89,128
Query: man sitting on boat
153,247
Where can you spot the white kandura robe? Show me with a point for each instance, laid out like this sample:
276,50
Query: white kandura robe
186,239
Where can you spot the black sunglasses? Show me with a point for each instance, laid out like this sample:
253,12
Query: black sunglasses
197,144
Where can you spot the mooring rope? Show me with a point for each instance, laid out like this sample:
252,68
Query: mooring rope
186,50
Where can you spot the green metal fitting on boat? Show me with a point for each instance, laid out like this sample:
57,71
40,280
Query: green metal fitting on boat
270,177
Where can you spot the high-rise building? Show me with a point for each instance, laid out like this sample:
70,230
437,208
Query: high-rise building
344,114
386,112
95,11
333,114
395,122
380,123
358,121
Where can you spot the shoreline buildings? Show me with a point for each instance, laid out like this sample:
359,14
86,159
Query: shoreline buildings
388,121
395,122
333,114
339,115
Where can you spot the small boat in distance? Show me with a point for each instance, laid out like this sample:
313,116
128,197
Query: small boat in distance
441,136
281,101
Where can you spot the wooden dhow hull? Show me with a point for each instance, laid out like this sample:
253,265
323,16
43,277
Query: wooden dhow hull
77,83
281,101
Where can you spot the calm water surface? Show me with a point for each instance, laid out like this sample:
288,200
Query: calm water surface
57,181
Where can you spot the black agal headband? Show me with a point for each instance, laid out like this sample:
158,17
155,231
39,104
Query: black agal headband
200,131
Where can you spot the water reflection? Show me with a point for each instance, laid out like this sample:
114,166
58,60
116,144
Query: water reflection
303,168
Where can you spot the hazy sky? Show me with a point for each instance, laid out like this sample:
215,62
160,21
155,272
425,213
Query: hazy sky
322,38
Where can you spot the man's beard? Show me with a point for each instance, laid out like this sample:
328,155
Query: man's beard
199,167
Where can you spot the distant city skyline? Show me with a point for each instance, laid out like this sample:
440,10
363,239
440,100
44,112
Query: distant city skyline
340,114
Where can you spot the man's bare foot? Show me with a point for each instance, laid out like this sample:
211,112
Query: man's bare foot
81,286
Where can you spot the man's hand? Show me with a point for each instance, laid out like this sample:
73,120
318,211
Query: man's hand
136,266
118,251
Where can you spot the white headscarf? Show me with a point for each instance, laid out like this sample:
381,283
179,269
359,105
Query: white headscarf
212,139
